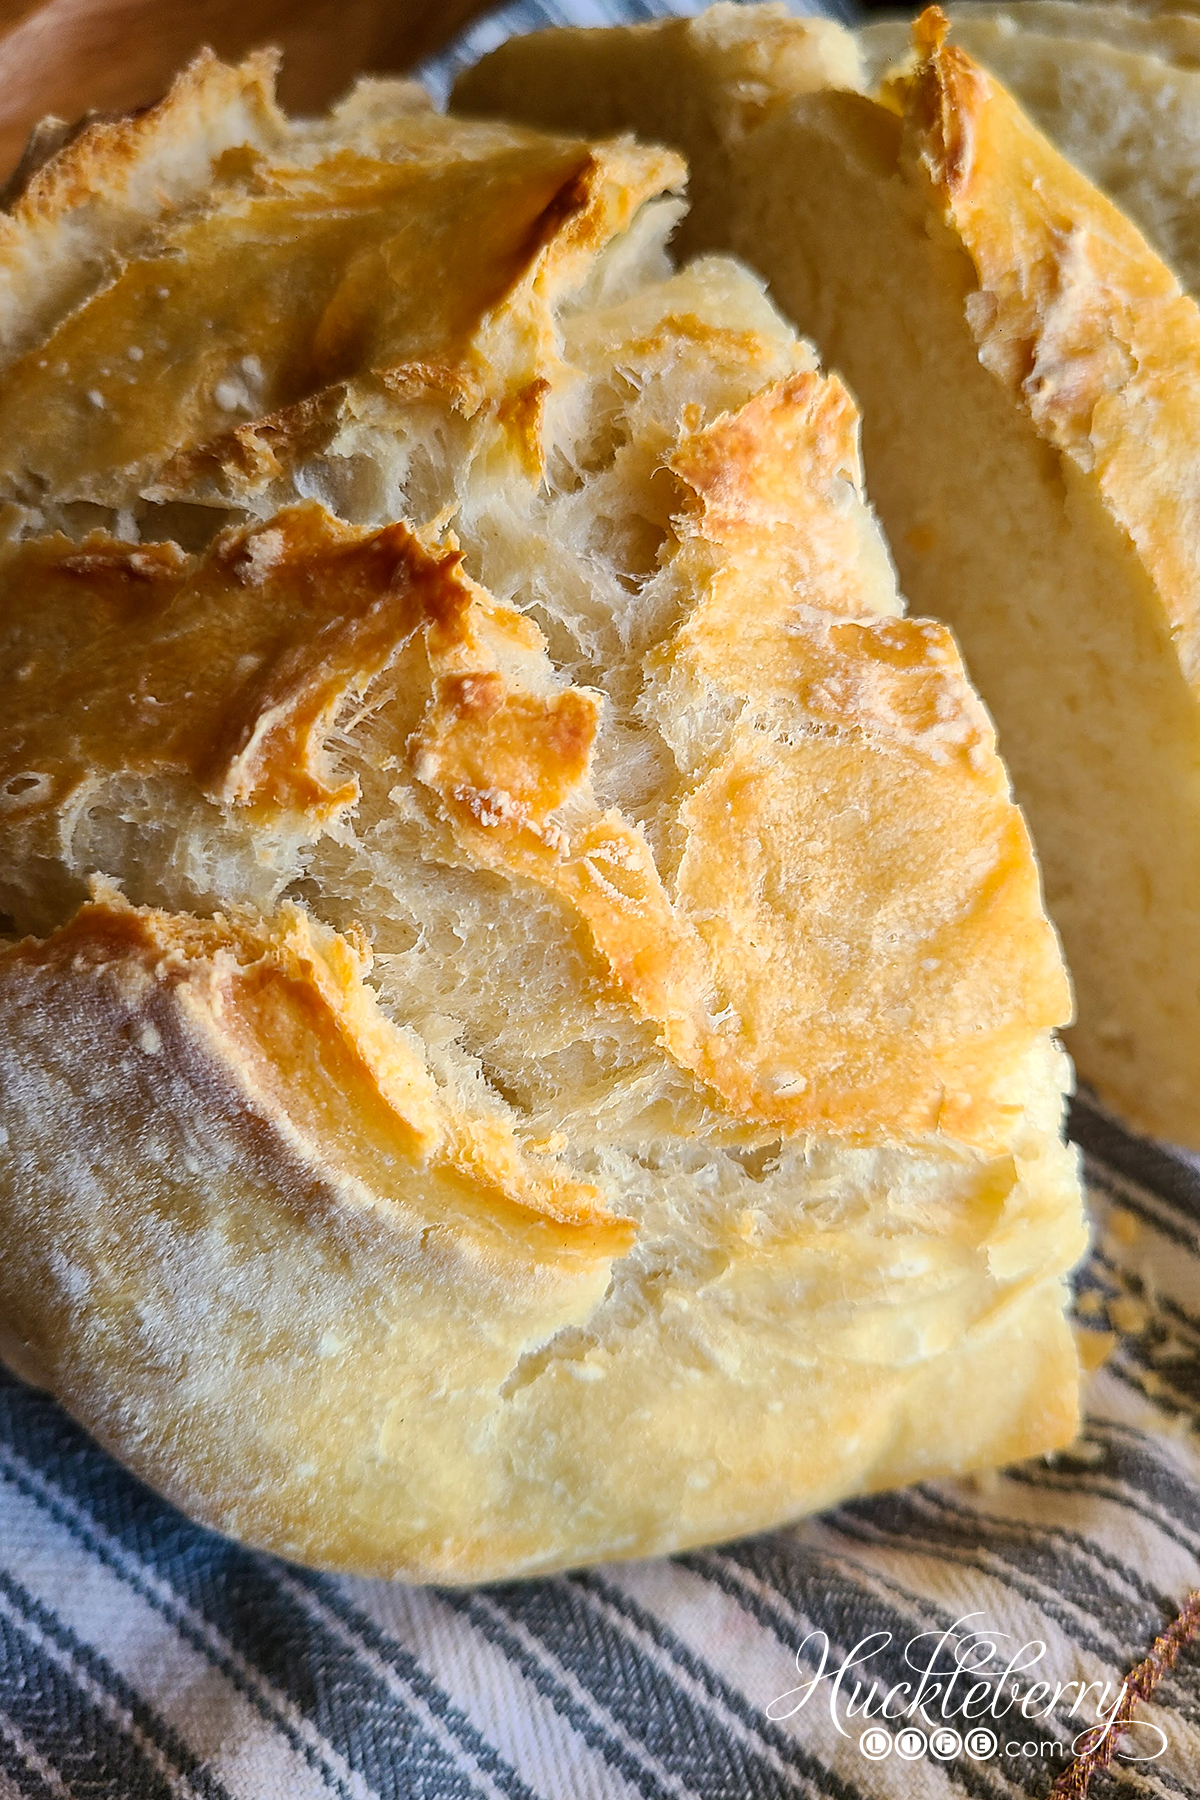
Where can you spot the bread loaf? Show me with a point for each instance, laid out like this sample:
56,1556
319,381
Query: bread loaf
1029,373
538,1039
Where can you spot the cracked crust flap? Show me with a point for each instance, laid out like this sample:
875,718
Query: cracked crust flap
80,209
279,1011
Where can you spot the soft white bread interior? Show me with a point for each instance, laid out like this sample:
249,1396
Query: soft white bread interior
567,1070
1029,372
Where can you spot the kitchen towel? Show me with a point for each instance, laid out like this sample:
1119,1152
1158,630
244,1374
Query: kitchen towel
140,1656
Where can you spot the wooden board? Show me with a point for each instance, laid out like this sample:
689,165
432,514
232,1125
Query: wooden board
66,56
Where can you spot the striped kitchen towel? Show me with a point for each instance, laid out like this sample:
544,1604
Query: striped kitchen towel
955,1639
140,1656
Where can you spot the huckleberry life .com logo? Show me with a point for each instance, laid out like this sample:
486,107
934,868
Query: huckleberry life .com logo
968,1691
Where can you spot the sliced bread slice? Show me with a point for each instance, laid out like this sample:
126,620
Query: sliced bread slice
1172,36
1111,98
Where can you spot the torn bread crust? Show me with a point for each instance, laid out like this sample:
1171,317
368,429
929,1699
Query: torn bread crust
422,263
229,670
86,207
767,1061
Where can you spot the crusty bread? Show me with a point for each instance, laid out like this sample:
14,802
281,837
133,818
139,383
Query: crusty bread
567,1070
1030,378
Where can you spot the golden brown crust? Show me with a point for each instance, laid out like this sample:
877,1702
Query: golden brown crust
741,491
231,671
969,970
424,259
95,161
889,724
949,124
228,669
